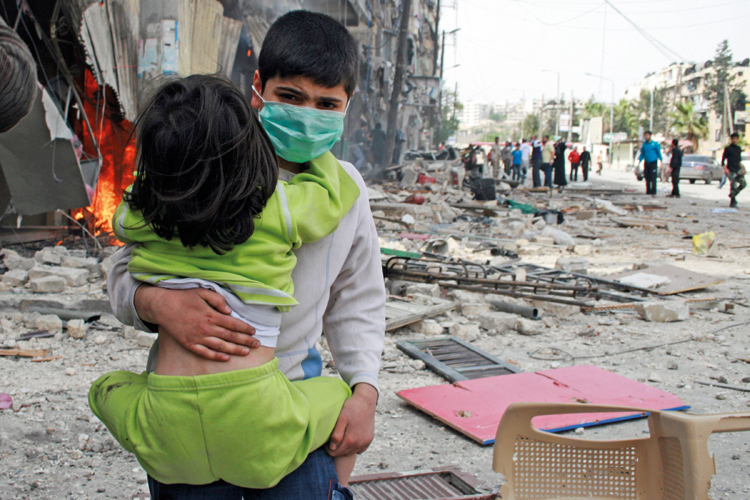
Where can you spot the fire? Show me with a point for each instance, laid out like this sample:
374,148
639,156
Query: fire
117,147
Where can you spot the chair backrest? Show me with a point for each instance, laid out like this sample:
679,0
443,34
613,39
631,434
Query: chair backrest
673,463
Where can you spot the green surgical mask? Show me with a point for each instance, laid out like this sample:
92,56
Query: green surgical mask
299,133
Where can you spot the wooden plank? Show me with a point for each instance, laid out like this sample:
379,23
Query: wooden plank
25,353
400,313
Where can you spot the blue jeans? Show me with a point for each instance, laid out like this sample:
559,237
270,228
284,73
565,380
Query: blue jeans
547,169
315,479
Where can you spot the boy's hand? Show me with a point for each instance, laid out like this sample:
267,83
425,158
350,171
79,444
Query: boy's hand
197,319
355,428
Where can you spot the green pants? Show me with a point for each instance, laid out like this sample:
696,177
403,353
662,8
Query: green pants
248,427
736,183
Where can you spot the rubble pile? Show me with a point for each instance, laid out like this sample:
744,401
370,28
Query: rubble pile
591,257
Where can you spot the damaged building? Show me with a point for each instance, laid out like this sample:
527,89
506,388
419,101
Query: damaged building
73,155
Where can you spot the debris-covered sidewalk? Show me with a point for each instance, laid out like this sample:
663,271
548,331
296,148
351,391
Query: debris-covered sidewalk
597,278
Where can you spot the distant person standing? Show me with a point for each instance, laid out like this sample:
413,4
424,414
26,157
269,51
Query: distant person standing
675,163
517,163
599,164
575,158
377,145
400,139
548,155
496,155
559,164
585,161
526,151
731,160
507,159
536,161
357,150
651,156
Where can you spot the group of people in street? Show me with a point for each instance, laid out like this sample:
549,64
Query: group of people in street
541,157
731,162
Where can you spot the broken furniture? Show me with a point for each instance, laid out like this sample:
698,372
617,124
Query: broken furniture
514,279
444,483
454,359
474,407
673,463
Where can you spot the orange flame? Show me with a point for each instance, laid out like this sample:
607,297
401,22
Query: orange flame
117,148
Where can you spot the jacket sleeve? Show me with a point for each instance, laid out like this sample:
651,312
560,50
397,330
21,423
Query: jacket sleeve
121,287
724,157
317,199
354,321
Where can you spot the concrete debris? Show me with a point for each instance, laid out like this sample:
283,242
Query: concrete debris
559,236
466,331
47,284
644,280
663,311
609,207
49,322
145,339
498,322
77,328
427,327
72,276
529,327
573,264
16,277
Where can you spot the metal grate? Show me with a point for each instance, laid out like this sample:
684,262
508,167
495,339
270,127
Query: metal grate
455,359
674,471
548,470
444,484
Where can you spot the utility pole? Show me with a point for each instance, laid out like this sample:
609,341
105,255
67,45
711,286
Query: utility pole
398,82
541,119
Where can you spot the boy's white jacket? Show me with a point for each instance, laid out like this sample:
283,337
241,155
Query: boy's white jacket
338,285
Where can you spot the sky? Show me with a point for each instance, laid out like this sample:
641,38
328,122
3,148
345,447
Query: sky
510,49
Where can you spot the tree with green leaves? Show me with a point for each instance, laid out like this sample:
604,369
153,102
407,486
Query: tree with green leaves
723,81
626,119
530,125
687,123
449,116
642,109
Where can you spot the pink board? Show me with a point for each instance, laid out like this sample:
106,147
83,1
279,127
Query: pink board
475,407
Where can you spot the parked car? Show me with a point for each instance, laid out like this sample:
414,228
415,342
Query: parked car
694,167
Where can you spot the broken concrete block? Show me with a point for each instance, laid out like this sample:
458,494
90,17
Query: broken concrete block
609,207
145,339
410,176
583,250
655,377
47,256
466,296
573,264
49,322
472,310
644,280
17,277
585,214
80,262
47,284
431,289
427,327
129,332
498,322
77,328
106,265
30,319
560,236
19,263
100,339
465,331
663,312
529,250
72,276
9,253
529,327
555,309
544,240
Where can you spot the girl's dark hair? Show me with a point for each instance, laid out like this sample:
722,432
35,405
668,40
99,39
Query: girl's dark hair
205,166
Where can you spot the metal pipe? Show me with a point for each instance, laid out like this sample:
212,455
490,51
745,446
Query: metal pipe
525,311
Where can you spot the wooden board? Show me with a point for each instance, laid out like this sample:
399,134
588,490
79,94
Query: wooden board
680,280
401,311
475,407
454,359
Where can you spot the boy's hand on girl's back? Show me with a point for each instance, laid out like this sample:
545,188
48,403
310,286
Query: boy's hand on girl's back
197,319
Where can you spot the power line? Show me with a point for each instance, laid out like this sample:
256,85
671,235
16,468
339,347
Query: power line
656,43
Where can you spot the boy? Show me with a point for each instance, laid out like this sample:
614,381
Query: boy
308,60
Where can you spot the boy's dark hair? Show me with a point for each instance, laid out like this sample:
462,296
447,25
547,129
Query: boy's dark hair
734,135
304,43
647,132
205,166
675,142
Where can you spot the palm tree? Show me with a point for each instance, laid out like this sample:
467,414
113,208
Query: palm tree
685,122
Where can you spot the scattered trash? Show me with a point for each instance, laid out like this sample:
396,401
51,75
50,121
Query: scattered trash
703,243
724,210
6,402
448,483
